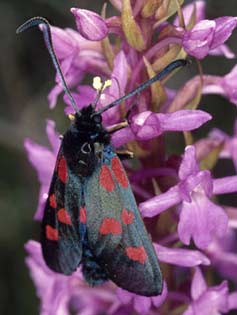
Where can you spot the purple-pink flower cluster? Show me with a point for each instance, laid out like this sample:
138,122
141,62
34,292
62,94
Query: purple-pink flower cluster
179,194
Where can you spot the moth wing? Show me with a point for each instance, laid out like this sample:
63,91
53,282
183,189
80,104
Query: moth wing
60,237
128,257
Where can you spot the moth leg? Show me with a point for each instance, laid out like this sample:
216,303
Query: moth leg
125,154
126,122
134,103
118,126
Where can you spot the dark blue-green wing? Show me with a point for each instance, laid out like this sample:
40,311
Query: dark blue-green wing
60,237
116,232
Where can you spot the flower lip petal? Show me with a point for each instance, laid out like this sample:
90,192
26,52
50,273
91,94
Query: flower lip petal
202,220
89,24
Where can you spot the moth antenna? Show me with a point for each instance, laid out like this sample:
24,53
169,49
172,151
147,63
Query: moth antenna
173,65
98,94
35,21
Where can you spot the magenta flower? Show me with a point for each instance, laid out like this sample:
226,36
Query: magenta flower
207,35
209,300
148,125
200,218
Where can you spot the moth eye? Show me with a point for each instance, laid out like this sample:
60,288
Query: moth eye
86,148
97,119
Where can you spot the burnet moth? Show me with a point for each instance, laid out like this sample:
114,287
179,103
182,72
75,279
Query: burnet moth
91,217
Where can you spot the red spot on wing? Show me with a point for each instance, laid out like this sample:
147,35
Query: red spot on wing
51,233
52,201
83,215
64,217
127,216
119,172
137,253
110,226
106,179
62,169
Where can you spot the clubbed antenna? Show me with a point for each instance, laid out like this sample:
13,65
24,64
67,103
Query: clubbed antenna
173,65
35,21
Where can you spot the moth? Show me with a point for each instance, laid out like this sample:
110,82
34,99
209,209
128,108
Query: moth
91,218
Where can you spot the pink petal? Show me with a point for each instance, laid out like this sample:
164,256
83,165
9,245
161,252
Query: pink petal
197,41
217,298
85,96
187,10
213,300
222,50
156,205
122,136
125,296
159,299
142,304
189,165
89,24
146,125
53,135
53,95
229,85
232,301
183,120
42,159
206,145
181,257
223,30
119,76
201,181
225,185
199,285
202,220
63,43
42,198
